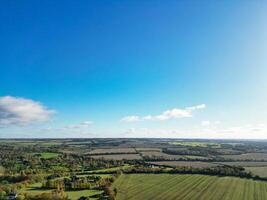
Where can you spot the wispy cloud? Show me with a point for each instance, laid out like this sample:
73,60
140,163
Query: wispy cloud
210,124
21,111
197,107
250,131
174,113
82,125
205,123
130,119
76,130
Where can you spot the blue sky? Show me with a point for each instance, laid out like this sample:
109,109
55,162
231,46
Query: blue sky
80,68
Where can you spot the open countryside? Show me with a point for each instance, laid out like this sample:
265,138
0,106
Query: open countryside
188,187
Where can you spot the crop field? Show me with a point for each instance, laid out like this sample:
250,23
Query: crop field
188,187
152,154
248,156
260,171
148,149
194,144
196,157
118,157
112,150
244,164
228,151
193,164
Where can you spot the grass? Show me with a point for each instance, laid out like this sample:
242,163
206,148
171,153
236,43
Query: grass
188,187
2,170
35,189
74,195
260,171
113,169
47,155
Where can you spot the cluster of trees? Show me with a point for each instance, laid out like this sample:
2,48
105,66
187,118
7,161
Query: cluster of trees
15,183
80,183
17,159
195,151
110,193
165,158
217,171
74,183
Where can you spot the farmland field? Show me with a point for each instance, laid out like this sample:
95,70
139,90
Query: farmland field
47,155
152,154
188,187
148,149
112,150
196,157
244,164
194,164
118,157
248,156
260,171
139,169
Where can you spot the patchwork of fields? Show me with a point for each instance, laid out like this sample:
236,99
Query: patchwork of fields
139,169
155,154
188,187
248,156
112,150
244,164
118,157
195,164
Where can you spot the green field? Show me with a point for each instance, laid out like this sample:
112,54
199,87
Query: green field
2,170
188,187
112,169
260,171
35,189
47,155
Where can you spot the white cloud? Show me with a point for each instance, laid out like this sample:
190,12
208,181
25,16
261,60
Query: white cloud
82,125
174,113
201,106
21,111
209,124
254,131
170,114
78,130
205,123
130,119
